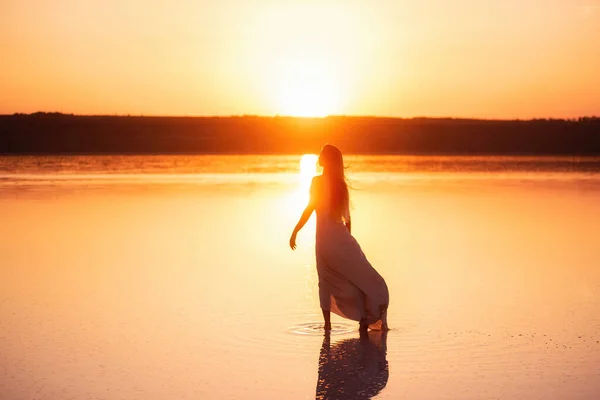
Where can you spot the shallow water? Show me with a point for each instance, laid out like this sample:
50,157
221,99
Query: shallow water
170,277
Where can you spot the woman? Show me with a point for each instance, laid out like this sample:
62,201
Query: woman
348,284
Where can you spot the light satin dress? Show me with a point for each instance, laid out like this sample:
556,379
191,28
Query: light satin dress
349,286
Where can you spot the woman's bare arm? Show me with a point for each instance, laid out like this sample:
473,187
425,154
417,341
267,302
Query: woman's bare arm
303,219
305,215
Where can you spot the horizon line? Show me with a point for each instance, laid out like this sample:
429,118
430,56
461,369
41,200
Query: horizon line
130,115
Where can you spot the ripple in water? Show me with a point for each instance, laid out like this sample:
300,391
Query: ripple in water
316,328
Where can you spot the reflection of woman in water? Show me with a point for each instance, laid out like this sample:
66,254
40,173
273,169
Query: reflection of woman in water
353,368
348,284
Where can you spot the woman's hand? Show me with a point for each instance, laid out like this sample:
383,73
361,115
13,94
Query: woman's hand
293,241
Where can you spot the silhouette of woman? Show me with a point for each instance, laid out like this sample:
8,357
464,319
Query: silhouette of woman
353,368
348,285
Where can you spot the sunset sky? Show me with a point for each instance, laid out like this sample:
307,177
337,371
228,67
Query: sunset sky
461,58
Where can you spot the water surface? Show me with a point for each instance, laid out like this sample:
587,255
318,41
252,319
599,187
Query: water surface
170,277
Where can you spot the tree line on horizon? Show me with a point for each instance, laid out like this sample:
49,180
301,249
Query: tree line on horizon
58,133
584,118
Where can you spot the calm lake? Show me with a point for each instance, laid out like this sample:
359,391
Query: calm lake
170,277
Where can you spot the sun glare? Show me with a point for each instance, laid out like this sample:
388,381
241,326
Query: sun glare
307,89
308,168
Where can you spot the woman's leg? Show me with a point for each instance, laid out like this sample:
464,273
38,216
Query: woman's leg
384,325
363,326
327,318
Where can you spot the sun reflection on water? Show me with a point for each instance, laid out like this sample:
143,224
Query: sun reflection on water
297,198
308,169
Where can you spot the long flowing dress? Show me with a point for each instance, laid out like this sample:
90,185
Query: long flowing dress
349,286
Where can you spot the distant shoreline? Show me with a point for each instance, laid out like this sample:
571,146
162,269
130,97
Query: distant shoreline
590,157
67,134
260,116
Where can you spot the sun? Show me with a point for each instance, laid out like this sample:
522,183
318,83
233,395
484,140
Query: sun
307,88
307,97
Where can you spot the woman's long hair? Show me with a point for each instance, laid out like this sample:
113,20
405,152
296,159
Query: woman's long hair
333,172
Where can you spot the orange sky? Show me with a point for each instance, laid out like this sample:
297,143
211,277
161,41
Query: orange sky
463,58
